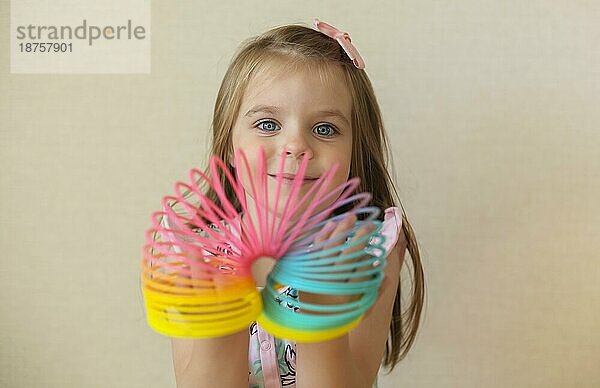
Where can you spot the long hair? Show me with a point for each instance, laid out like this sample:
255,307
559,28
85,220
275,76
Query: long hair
303,47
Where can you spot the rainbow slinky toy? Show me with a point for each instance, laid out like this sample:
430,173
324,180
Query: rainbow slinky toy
196,266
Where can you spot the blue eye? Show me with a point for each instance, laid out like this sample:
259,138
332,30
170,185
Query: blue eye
325,130
270,126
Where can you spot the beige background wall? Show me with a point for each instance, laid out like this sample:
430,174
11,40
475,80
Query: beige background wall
493,111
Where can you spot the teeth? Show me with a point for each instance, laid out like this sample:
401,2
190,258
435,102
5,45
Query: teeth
291,178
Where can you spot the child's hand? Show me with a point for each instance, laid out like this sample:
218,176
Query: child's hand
330,231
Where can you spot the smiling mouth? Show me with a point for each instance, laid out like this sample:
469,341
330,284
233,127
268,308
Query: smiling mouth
289,178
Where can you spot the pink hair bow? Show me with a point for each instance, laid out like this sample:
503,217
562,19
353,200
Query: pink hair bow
343,39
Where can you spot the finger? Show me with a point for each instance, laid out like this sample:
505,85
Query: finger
183,273
346,224
331,230
325,232
382,288
175,258
363,231
196,273
331,234
191,269
336,236
360,233
175,265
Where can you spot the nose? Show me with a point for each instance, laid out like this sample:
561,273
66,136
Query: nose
297,147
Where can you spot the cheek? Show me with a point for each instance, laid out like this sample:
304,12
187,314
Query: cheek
245,142
236,138
344,161
240,142
341,176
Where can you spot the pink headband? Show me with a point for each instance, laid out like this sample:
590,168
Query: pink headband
343,39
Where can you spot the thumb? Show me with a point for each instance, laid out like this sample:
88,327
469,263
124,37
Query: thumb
261,269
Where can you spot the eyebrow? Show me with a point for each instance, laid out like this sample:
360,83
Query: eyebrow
275,110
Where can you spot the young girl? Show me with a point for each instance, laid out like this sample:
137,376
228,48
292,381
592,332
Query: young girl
303,91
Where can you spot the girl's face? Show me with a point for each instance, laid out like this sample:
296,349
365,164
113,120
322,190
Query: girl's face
297,114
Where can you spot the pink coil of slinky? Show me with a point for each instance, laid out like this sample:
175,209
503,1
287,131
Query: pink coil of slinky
196,267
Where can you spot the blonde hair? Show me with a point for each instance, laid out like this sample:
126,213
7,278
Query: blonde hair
303,47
